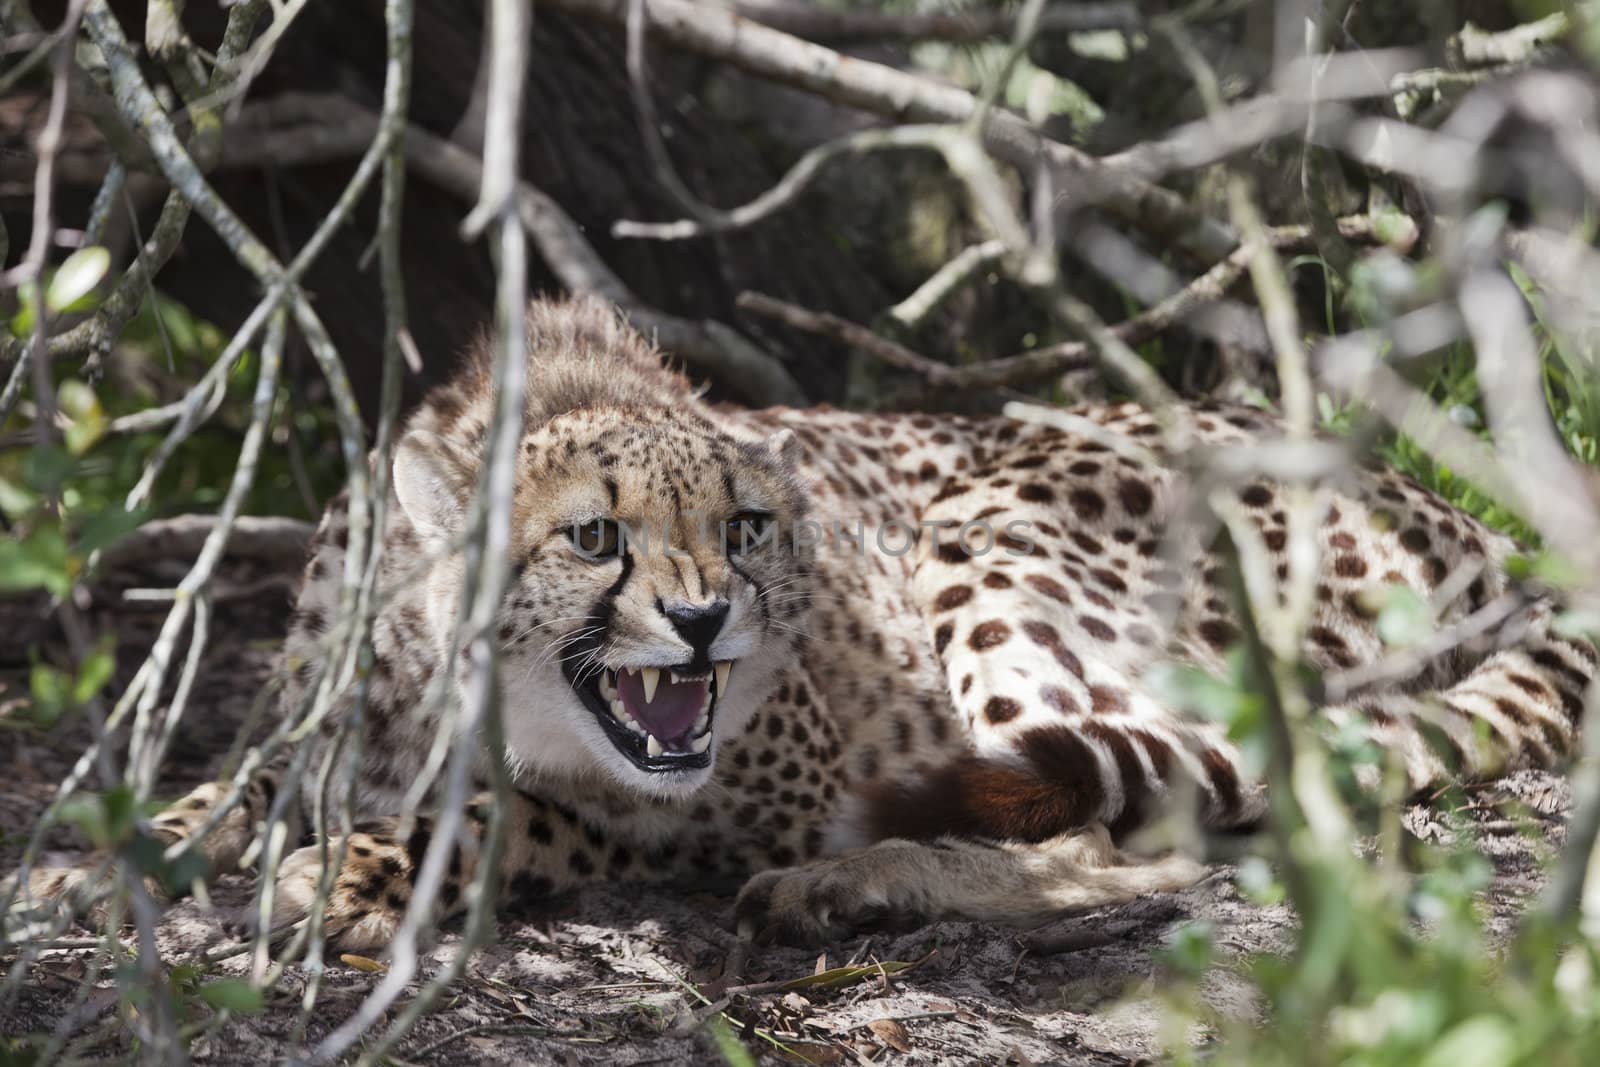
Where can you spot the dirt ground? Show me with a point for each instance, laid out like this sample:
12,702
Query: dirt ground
623,975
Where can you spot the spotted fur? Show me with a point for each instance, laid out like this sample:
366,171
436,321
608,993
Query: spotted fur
924,719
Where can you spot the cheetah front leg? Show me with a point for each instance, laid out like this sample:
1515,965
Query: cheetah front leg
549,847
901,884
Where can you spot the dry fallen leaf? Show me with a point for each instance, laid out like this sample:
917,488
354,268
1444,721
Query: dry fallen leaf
843,976
362,963
891,1033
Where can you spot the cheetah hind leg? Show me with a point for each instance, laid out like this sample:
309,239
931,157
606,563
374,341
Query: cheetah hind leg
899,884
83,884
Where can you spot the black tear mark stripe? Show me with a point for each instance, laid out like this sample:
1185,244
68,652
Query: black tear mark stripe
761,595
581,651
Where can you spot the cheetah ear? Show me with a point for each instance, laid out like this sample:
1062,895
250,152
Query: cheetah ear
432,484
785,447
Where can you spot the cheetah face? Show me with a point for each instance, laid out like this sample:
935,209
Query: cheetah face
655,598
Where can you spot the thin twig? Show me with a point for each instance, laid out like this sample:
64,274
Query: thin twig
831,325
944,282
477,720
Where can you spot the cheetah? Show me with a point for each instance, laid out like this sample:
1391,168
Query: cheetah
878,666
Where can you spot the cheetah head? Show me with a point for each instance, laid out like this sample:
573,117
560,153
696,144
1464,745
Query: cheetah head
655,593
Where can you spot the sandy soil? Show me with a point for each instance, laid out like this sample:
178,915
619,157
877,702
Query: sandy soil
622,975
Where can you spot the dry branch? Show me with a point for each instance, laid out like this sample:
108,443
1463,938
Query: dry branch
1040,364
827,324
817,23
767,53
183,536
329,127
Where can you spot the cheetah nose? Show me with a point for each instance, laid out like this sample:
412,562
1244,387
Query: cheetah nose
698,624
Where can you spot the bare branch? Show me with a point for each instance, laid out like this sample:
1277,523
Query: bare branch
828,25
1476,47
830,325
767,53
1024,368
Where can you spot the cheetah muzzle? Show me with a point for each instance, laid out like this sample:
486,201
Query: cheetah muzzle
660,718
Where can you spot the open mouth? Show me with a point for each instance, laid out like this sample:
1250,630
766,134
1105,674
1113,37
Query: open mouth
659,717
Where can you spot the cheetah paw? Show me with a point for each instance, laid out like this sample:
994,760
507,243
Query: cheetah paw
830,899
895,884
364,906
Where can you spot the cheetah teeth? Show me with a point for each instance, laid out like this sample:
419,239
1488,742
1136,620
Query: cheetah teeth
620,713
653,748
724,671
651,677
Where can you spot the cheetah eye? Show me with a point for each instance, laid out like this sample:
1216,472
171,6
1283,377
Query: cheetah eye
597,539
746,531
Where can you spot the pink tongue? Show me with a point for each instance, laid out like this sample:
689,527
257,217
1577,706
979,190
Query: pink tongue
672,714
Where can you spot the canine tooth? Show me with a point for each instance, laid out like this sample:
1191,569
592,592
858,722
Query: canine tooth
724,671
652,747
652,678
701,743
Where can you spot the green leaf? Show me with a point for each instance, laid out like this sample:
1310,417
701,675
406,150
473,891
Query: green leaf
16,502
121,812
107,527
95,671
89,422
51,691
106,819
1484,1041
1256,881
77,277
45,467
40,560
179,324
1405,618
22,322
87,812
234,994
1558,570
1190,948
1578,622
728,1045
